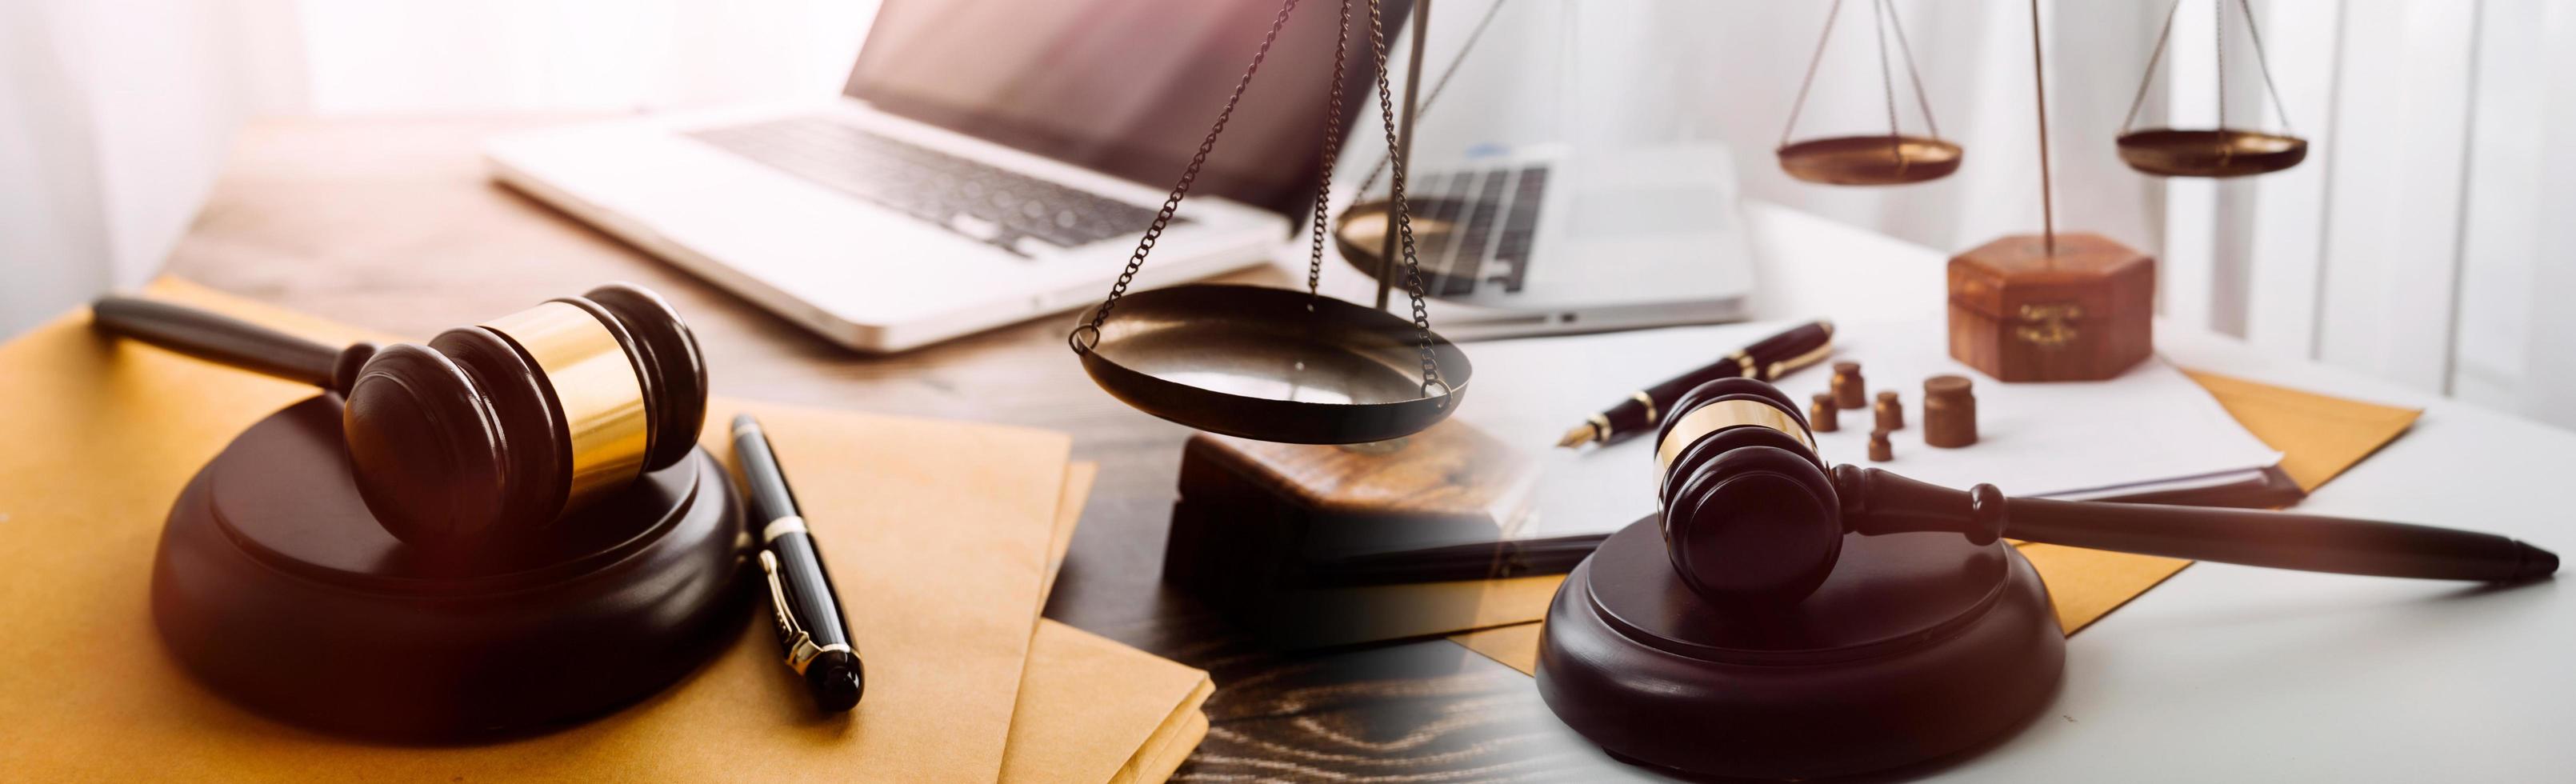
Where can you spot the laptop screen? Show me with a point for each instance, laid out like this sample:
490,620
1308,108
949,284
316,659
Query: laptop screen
1128,87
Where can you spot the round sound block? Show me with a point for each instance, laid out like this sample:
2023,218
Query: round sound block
1918,645
276,587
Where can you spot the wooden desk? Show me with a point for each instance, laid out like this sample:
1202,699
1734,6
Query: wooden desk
392,224
2223,672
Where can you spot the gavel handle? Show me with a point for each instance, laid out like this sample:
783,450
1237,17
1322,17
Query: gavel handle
2281,540
218,338
1878,502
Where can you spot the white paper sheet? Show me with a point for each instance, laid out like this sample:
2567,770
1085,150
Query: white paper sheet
2149,425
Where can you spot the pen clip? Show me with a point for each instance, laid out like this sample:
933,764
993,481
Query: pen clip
801,649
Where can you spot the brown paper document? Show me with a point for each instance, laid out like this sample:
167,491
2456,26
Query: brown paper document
2318,436
106,432
1091,709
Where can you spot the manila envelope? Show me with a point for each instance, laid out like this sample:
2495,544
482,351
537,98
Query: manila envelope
1091,709
2318,436
106,432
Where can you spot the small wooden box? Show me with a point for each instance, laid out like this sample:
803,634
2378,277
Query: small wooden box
2021,313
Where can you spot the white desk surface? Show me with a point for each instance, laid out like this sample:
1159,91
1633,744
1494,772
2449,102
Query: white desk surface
2238,673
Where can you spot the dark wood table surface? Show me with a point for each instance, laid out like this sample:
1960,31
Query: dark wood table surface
393,224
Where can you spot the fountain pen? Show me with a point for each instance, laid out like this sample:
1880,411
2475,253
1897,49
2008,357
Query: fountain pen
806,609
1768,360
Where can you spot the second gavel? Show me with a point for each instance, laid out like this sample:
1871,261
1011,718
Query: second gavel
1752,514
485,432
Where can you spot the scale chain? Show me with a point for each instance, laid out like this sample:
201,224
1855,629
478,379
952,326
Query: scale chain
1198,161
2153,59
1800,105
1403,215
1332,152
1886,78
1189,175
2254,32
1922,99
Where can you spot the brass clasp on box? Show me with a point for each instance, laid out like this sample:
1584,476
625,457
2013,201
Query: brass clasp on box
2049,326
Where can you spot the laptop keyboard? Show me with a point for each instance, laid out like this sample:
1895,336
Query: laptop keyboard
1495,213
1015,212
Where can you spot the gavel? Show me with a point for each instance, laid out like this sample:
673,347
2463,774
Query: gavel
1752,515
488,431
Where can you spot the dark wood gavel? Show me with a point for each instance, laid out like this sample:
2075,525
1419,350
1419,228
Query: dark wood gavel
1751,513
487,431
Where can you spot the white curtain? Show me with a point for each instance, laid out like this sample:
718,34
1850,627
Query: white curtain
2425,240
114,117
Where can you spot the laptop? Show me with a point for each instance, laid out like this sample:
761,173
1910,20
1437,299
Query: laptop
1549,238
988,161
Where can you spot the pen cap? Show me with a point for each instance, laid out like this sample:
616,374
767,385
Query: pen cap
836,679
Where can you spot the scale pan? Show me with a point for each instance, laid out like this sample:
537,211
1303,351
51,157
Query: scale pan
1870,160
1253,362
2219,153
1361,232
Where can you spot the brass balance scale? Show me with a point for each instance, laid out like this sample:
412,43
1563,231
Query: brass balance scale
1898,158
1279,365
2045,307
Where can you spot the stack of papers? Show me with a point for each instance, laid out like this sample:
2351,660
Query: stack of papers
942,537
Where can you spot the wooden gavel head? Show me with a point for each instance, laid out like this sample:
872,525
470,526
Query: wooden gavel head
1749,510
493,430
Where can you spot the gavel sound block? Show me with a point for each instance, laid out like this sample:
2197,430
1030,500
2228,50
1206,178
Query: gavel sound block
277,587
501,531
1780,618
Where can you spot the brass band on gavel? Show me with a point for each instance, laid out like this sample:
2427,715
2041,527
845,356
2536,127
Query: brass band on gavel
596,388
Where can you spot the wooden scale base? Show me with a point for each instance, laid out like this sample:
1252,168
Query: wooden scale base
1917,646
274,586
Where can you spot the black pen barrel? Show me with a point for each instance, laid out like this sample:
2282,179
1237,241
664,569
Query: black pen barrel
1767,359
766,495
809,588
